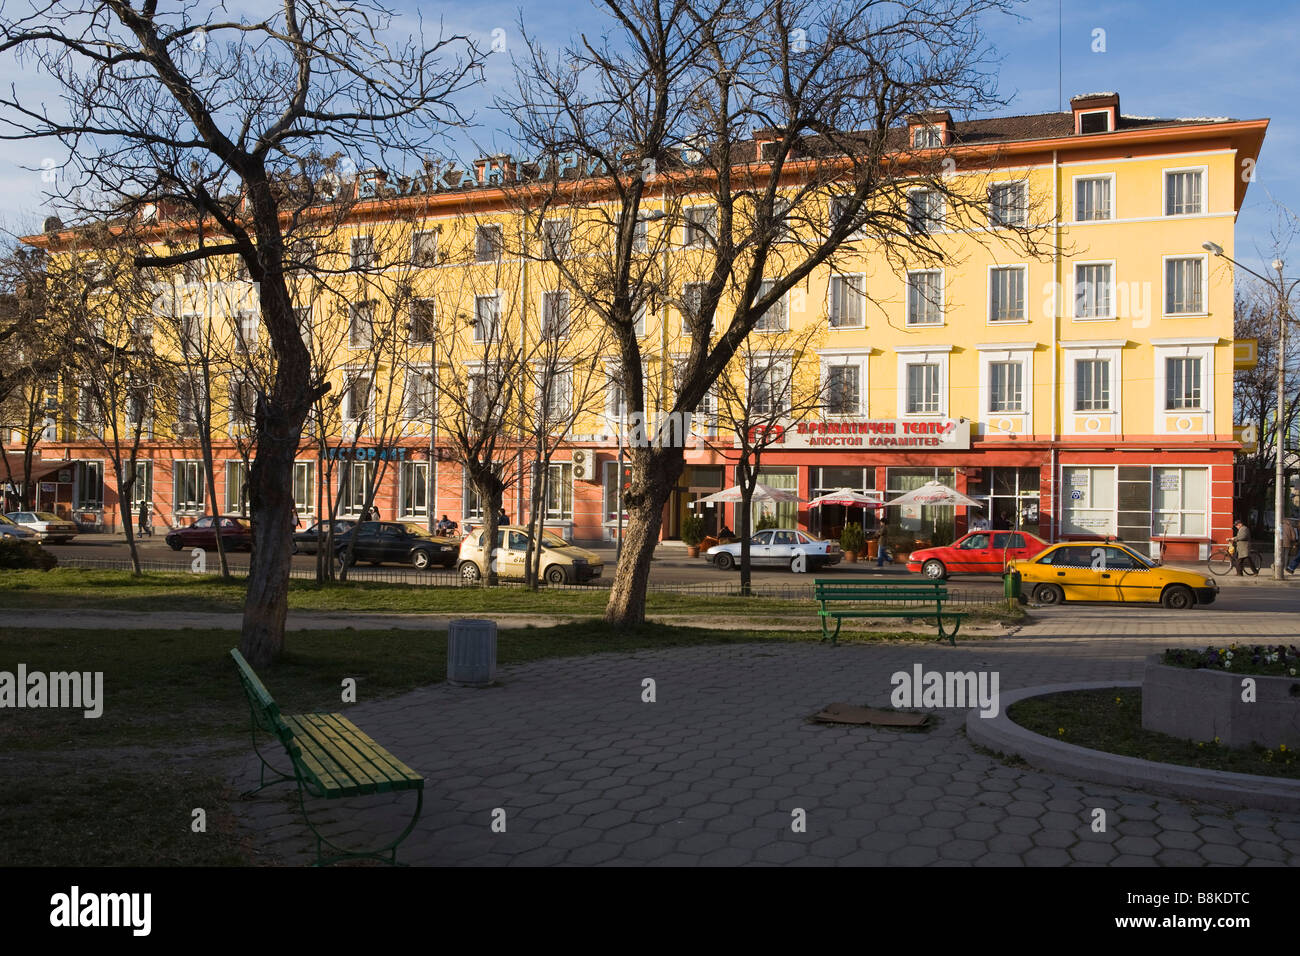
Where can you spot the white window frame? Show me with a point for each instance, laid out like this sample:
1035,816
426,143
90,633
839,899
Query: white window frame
418,374
1204,172
307,507
860,280
780,361
1066,499
1023,269
195,507
355,310
1074,198
1111,315
432,306
927,136
694,234
1111,351
496,317
349,414
639,310
702,286
246,321
907,305
556,330
835,211
1023,185
486,229
781,307
562,376
859,358
1205,284
1203,349
1110,121
233,505
359,244
923,355
564,247
423,257
934,225
405,471
1012,352
565,469
239,424
1182,513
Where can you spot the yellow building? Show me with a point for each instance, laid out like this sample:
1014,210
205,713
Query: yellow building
1083,391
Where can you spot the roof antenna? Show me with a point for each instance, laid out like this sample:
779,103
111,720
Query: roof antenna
1060,67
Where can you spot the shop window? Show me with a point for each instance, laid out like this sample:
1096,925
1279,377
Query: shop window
415,489
915,526
1089,501
1010,497
1181,500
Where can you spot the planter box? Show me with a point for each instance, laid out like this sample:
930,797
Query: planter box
1203,704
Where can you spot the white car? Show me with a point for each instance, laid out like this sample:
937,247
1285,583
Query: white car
779,548
8,529
45,526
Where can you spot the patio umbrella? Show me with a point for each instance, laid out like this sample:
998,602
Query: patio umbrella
934,493
762,492
849,498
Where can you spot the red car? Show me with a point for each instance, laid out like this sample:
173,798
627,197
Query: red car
236,534
979,552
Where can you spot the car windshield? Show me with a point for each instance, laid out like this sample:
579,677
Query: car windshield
1141,559
46,516
552,540
5,520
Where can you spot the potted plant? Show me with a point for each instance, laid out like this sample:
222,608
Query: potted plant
765,521
851,539
693,534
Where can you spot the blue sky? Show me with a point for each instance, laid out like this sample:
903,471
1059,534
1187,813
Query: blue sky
1188,58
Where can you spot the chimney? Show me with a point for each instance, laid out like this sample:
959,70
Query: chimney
1095,113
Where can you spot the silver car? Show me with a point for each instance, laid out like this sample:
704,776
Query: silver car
779,548
8,529
45,526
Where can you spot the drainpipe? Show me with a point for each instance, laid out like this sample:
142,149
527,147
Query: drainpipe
1057,504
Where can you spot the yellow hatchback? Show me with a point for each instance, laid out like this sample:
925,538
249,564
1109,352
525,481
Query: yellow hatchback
1108,571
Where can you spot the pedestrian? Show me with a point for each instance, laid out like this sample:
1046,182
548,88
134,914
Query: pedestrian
1292,531
145,525
1241,546
502,517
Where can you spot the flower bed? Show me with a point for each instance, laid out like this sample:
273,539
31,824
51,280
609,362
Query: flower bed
1280,660
1225,696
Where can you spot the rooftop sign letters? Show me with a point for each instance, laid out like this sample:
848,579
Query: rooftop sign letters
880,434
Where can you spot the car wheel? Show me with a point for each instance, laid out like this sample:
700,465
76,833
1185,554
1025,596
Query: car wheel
469,572
556,575
1049,595
934,570
1178,598
420,559
294,549
341,560
724,561
174,543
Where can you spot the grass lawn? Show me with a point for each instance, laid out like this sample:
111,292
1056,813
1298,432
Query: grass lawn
119,790
1111,721
75,588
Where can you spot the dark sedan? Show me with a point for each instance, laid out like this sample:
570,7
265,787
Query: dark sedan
304,542
380,541
236,534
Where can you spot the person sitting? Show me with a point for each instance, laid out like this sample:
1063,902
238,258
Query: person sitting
446,526
725,534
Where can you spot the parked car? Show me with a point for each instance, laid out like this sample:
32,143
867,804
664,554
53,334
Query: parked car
11,529
304,542
979,552
779,548
562,562
47,527
1109,571
236,534
380,541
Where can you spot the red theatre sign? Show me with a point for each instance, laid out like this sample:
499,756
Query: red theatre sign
945,434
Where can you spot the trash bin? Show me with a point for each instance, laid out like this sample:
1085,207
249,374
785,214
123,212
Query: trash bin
471,653
1011,585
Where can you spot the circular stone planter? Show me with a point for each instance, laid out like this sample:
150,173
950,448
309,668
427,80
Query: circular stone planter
1003,735
1202,704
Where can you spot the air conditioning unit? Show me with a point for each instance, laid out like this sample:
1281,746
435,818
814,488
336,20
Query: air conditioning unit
583,467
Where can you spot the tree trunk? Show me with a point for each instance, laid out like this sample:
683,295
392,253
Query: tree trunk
124,508
271,499
652,486
746,499
209,465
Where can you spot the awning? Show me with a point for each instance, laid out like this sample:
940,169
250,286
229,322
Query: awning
12,469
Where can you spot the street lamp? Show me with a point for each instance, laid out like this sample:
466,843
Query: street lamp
1279,471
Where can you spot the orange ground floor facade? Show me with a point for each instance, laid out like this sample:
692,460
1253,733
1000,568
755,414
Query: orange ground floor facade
1170,501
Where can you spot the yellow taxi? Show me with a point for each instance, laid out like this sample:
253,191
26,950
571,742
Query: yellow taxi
1108,571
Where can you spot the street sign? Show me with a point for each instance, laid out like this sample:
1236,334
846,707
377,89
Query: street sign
1245,353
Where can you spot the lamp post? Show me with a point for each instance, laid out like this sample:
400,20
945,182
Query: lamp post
1279,470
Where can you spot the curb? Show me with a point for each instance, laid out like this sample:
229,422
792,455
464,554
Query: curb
1218,786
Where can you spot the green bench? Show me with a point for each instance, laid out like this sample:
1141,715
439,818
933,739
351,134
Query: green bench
836,594
331,759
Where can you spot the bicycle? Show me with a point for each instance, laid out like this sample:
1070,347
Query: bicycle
1220,561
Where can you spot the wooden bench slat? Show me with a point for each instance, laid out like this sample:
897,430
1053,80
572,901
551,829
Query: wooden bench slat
381,759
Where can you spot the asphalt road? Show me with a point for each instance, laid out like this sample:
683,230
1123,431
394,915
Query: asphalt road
671,567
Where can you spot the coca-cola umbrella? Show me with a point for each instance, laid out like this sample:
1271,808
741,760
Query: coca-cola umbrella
849,499
762,492
933,493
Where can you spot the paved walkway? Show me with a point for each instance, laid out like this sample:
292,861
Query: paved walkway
715,769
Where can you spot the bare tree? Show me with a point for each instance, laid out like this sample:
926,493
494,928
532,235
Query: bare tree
234,121
773,383
770,139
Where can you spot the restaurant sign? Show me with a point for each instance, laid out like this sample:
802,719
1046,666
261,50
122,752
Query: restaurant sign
880,434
